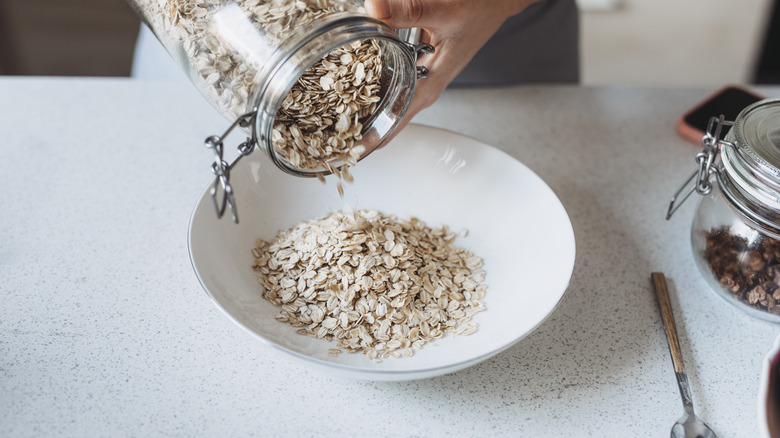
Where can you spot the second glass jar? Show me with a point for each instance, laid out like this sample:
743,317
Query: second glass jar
736,229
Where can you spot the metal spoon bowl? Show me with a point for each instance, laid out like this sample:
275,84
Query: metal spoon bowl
689,425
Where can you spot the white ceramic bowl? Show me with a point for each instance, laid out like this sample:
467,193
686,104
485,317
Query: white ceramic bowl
769,394
515,222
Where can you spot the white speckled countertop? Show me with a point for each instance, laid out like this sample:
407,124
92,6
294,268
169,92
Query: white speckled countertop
105,330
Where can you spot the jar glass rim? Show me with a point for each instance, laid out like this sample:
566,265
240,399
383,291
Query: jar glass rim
332,32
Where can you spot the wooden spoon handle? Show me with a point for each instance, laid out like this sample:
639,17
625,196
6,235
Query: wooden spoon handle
659,281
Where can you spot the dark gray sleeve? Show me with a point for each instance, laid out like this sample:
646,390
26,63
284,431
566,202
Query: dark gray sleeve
539,45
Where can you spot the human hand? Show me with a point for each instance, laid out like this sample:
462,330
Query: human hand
457,29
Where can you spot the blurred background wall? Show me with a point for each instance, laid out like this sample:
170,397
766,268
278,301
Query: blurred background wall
67,37
624,42
676,42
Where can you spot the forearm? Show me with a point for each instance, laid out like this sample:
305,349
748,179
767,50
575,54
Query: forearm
457,29
514,7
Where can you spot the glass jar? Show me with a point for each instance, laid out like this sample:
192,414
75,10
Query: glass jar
735,233
317,83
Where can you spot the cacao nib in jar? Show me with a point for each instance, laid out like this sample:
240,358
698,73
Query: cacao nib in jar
735,233
739,262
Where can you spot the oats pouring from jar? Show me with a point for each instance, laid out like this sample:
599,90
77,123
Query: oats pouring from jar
338,80
243,54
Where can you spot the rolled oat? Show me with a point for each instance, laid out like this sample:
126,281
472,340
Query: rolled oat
372,283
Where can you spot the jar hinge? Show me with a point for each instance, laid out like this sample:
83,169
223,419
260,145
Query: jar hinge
699,181
221,192
419,50
412,38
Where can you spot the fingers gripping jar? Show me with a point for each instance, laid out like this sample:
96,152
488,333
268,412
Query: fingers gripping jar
316,83
735,233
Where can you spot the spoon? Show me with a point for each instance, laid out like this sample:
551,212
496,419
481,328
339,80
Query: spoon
689,425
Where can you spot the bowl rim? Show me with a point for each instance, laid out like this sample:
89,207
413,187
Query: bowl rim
771,359
420,372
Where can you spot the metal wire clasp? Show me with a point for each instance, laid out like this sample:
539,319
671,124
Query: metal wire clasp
700,178
412,37
222,193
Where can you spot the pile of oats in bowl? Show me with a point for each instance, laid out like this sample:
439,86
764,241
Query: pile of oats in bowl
321,118
372,283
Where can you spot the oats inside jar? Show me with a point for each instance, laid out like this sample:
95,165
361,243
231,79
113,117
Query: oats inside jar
321,119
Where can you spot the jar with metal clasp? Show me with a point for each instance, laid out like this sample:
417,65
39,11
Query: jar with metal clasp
735,233
316,84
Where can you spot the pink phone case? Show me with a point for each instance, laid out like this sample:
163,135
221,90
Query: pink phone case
694,133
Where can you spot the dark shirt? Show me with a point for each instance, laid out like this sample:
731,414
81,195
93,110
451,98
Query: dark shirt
538,45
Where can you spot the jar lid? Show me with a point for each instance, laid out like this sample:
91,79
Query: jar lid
754,163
